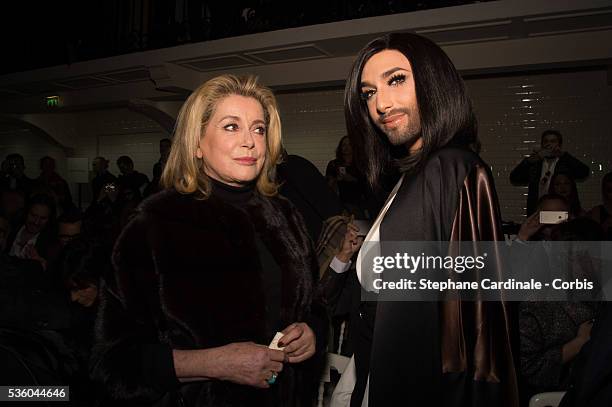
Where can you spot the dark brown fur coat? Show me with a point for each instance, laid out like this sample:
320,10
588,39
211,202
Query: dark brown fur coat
188,276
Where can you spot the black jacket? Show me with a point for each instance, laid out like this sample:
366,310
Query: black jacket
527,173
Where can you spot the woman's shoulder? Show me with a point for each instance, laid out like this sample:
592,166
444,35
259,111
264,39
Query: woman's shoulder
163,200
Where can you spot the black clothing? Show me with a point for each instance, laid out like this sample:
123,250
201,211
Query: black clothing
57,185
545,328
9,182
98,182
134,181
591,384
239,197
449,353
188,275
34,322
351,186
528,173
343,293
302,183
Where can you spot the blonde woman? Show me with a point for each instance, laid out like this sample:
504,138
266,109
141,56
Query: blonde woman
211,268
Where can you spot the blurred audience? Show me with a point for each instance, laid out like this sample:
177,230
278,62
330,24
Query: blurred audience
83,263
52,183
13,177
564,185
345,179
537,170
69,226
164,150
35,238
302,183
532,229
130,178
101,177
602,214
553,333
12,205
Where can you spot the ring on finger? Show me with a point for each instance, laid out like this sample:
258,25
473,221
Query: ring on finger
272,378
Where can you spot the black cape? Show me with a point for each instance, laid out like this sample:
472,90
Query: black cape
449,353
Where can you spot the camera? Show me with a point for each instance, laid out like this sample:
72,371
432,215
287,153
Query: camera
110,187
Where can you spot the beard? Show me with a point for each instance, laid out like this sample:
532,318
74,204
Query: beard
406,134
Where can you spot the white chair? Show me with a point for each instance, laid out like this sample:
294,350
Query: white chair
333,361
551,399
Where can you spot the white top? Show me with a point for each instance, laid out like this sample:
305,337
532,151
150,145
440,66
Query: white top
21,246
548,165
371,243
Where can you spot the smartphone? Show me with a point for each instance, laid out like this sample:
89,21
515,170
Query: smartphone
363,225
342,171
110,187
553,217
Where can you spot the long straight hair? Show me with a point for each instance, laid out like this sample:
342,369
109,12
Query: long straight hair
445,110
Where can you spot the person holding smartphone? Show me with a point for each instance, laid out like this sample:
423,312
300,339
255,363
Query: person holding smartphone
537,170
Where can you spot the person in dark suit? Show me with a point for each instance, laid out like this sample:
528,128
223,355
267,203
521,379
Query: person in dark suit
101,178
537,170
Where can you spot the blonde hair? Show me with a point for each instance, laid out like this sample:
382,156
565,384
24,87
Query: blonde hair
183,170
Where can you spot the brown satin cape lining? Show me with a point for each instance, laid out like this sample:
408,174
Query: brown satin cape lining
478,333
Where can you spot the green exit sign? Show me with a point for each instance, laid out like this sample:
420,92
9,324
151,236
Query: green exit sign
53,101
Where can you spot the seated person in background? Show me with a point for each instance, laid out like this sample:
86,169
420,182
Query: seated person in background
51,182
564,185
591,377
12,205
69,227
101,177
130,178
83,263
344,178
552,333
36,237
602,213
532,229
14,177
536,170
34,315
103,217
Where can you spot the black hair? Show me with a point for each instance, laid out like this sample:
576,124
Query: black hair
124,159
71,216
43,200
339,149
445,110
15,156
574,198
551,197
83,262
45,158
554,132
